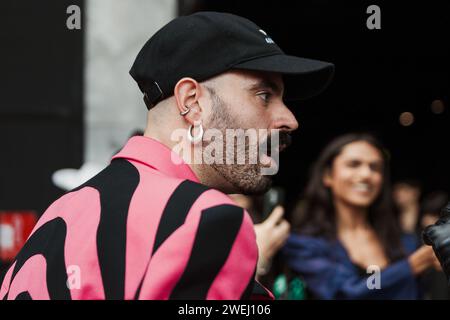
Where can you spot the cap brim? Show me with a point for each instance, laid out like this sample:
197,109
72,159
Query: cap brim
304,78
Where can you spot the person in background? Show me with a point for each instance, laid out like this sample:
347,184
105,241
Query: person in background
271,234
346,224
406,196
437,236
432,204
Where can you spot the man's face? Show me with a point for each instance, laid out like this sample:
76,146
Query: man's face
248,100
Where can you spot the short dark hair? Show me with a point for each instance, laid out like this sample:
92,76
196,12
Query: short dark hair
413,183
434,202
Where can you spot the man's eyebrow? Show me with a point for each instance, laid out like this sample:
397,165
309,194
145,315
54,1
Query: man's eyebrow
266,83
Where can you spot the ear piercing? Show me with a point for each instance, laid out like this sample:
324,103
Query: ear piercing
185,112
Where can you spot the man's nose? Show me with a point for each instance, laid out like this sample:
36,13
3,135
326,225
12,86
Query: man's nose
284,119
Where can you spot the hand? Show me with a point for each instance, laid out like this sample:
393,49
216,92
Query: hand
438,236
271,236
422,259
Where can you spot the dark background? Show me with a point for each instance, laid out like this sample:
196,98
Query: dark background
379,74
41,100
402,67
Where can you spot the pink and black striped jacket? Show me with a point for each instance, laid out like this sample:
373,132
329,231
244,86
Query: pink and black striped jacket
143,228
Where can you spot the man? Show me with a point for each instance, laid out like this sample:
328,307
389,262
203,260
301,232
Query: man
156,224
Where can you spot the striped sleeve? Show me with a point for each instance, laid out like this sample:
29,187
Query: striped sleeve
212,255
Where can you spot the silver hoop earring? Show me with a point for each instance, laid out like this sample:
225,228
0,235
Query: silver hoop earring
199,137
185,112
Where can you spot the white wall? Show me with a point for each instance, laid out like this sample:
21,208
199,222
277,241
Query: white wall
115,32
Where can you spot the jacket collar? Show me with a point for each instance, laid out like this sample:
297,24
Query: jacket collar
154,154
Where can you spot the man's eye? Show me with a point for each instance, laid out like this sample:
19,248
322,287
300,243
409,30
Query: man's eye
264,95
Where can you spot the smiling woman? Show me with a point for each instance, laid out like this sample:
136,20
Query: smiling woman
346,225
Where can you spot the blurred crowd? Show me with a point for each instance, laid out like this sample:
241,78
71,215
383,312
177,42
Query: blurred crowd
353,234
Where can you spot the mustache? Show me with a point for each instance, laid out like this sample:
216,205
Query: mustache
285,140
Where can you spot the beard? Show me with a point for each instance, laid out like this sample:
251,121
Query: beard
245,178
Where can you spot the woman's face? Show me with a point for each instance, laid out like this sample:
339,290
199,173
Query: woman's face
356,175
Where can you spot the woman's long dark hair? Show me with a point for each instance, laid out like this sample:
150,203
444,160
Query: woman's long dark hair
315,214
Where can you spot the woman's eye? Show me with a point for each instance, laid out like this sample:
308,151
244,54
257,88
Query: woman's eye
353,164
376,167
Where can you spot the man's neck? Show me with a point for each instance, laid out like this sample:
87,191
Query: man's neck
194,158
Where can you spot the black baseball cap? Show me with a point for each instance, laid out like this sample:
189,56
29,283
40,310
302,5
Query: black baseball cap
206,44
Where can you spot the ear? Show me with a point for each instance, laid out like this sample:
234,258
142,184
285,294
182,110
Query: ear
187,92
327,180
